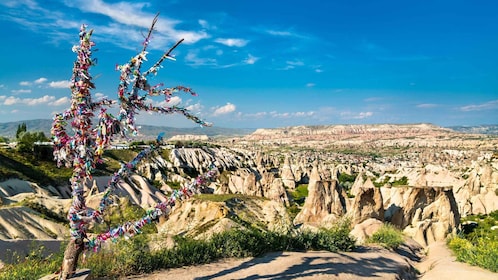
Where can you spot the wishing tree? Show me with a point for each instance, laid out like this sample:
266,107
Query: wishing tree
84,148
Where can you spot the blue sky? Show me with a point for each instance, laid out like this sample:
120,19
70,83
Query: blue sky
261,64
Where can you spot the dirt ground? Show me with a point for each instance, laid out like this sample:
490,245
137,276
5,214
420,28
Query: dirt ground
364,263
434,263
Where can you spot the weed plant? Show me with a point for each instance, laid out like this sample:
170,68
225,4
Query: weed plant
388,236
478,246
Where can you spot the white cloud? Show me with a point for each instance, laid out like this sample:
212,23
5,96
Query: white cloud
40,80
318,70
427,105
59,102
372,99
193,59
491,105
128,14
18,91
257,115
285,33
197,107
291,64
232,42
251,59
295,63
59,84
304,114
279,33
36,101
356,116
204,24
100,95
173,101
223,110
37,81
11,100
287,115
310,84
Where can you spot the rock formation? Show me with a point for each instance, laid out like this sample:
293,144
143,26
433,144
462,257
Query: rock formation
326,201
426,214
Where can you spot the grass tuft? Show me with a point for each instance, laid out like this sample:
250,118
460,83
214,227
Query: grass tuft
388,236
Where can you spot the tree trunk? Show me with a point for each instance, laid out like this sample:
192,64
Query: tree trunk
71,256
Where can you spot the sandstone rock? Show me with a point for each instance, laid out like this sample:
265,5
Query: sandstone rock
367,204
326,201
361,182
477,195
365,229
200,219
277,192
426,214
287,175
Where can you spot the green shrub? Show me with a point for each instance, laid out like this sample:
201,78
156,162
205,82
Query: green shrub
300,194
133,256
478,245
32,266
482,253
403,181
387,236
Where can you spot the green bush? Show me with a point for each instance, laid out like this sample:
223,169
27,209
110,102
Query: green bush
478,245
300,194
133,256
387,236
483,252
403,181
32,266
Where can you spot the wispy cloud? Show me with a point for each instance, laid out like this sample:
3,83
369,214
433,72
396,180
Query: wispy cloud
196,107
192,58
278,115
491,105
54,23
292,64
285,115
223,110
279,33
427,105
310,85
19,91
59,102
40,80
173,101
11,100
356,116
132,14
283,33
250,59
373,99
59,84
232,42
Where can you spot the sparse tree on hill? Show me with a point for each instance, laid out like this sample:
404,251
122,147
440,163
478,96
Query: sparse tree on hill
21,128
84,148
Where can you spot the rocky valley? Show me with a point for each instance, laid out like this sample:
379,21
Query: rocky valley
420,178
